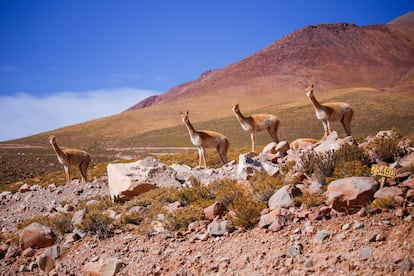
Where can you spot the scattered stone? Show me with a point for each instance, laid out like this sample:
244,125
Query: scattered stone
24,188
284,197
357,225
104,267
219,227
36,235
321,236
214,210
406,265
365,253
294,250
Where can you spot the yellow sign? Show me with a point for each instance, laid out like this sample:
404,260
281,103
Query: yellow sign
383,171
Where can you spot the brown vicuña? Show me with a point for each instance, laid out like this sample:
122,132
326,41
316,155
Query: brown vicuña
329,112
71,157
256,123
203,139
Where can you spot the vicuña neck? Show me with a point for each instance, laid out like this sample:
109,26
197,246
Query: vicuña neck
315,102
189,127
57,149
239,115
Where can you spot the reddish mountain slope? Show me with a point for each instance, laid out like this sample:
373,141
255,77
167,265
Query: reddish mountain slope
330,55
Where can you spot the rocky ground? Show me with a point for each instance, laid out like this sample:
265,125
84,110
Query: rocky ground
374,243
289,240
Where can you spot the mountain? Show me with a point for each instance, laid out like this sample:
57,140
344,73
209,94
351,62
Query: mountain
330,55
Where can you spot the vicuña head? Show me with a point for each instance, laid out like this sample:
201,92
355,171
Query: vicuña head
203,139
71,157
256,123
329,112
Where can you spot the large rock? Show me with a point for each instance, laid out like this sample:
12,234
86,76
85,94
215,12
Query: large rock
284,197
250,163
131,179
331,143
351,194
36,235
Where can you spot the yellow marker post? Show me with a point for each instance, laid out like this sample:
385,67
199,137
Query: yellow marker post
384,172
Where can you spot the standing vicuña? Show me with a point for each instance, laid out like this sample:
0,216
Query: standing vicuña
256,123
329,112
203,139
71,157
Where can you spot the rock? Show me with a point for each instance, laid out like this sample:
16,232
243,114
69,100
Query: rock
270,148
331,143
219,227
173,207
282,147
388,192
214,210
247,165
36,235
24,188
103,267
349,194
3,249
320,213
365,253
321,236
198,226
5,194
46,260
406,265
78,217
284,197
295,250
128,180
275,215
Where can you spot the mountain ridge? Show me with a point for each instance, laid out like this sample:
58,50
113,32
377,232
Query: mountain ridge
332,55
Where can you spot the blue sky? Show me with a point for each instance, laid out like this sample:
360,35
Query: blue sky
104,56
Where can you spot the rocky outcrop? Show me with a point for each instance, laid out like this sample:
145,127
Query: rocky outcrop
131,179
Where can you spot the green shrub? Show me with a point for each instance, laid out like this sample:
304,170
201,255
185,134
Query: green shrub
198,195
59,222
226,190
182,217
264,186
132,218
246,211
310,200
383,203
349,153
386,148
321,165
349,169
97,223
161,195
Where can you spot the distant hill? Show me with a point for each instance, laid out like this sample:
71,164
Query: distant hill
330,55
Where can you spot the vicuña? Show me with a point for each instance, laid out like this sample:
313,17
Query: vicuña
203,139
329,112
71,157
256,123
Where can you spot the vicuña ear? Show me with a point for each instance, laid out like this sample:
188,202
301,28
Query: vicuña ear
312,85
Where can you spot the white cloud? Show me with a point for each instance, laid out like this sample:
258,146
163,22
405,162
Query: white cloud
22,114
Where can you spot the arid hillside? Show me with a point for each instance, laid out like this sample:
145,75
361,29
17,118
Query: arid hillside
330,55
